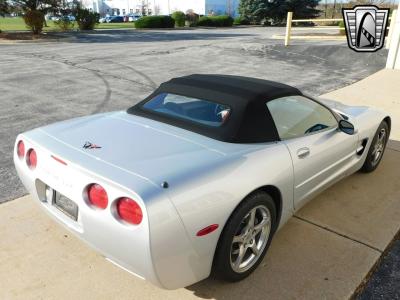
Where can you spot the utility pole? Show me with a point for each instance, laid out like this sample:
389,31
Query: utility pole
229,7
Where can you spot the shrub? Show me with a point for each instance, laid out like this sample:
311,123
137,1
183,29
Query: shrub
86,19
191,18
216,21
241,21
65,23
329,23
342,30
204,21
179,18
34,19
155,22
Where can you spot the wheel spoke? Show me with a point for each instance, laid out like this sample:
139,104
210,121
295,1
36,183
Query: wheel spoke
254,248
261,225
382,136
252,219
375,149
238,239
239,259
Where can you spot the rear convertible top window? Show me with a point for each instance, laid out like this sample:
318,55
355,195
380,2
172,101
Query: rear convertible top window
196,110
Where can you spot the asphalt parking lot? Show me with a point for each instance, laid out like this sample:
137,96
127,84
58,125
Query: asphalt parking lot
41,83
46,82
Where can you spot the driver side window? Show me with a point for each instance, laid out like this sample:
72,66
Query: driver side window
296,116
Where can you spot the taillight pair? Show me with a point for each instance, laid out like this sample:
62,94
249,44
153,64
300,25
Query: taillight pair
127,209
31,157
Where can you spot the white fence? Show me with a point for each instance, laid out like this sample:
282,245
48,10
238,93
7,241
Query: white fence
290,21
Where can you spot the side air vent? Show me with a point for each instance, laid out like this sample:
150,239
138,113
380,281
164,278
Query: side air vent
361,148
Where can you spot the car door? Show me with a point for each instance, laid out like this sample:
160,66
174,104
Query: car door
320,152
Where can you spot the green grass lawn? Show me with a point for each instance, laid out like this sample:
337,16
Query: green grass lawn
11,24
19,24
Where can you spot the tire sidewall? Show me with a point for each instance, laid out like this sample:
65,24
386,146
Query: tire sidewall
221,266
369,166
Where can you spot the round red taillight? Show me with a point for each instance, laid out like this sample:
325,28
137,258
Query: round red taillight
129,211
31,159
97,196
21,149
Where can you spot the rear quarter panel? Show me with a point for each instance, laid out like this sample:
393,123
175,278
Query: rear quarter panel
210,195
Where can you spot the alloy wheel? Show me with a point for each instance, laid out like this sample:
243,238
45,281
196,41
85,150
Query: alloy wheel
250,239
379,146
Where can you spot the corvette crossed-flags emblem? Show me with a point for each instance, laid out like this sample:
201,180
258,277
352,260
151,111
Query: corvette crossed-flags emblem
89,145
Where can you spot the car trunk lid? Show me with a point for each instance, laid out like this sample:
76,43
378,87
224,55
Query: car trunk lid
148,148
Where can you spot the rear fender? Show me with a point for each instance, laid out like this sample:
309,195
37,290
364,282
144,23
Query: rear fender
212,194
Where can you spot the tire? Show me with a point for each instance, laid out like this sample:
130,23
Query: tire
226,258
377,148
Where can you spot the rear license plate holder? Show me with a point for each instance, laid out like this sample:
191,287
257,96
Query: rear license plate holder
65,205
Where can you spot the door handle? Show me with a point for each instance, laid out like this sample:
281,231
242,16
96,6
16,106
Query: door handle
303,152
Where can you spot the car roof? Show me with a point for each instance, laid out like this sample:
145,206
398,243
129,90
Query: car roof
243,89
250,120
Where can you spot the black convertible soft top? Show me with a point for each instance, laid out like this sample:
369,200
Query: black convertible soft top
250,120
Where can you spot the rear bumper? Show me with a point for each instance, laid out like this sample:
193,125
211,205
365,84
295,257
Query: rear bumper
159,249
127,246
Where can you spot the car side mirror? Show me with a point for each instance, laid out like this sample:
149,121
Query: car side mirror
346,127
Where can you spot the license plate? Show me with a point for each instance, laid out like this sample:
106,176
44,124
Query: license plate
67,206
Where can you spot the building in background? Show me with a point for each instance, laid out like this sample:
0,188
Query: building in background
393,60
162,7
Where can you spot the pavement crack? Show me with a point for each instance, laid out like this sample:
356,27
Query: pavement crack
107,95
338,233
79,66
152,84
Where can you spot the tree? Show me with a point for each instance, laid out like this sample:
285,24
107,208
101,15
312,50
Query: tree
41,6
369,2
144,7
44,6
3,7
34,20
86,19
260,10
303,9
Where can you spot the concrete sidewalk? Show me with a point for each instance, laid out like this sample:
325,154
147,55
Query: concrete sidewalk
324,252
381,90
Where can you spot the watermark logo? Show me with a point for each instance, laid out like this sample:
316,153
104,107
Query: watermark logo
365,27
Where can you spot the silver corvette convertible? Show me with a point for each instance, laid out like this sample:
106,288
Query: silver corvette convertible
196,179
